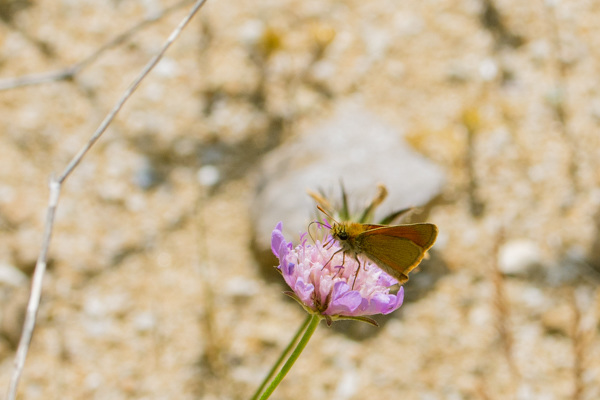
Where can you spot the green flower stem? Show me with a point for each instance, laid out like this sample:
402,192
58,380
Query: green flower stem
287,350
308,328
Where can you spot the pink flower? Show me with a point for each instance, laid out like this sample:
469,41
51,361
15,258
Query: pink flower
327,288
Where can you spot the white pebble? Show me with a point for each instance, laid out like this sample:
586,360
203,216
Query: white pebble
208,175
517,256
12,275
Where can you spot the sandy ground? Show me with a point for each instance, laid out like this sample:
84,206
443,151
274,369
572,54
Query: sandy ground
152,290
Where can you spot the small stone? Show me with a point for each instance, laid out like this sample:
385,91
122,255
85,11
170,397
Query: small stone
488,69
94,307
144,321
347,384
208,175
517,257
93,380
11,275
146,176
167,68
251,31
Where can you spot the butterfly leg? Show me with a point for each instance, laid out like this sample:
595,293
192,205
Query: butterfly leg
343,262
328,244
357,269
331,258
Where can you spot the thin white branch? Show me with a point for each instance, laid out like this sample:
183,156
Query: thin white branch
55,188
72,70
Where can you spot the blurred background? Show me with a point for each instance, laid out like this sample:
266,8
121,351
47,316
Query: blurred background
160,285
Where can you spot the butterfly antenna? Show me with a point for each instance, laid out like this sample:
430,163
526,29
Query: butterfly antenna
308,229
327,214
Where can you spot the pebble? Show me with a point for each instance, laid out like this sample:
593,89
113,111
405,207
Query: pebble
518,256
208,175
144,321
488,69
11,275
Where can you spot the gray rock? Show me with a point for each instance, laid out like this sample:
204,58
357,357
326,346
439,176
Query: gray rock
354,147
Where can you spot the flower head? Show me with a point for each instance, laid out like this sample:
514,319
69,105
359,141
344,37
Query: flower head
324,283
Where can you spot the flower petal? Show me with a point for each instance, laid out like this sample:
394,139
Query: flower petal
386,280
343,300
304,292
385,303
345,305
277,239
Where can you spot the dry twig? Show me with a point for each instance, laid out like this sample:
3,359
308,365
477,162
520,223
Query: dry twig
55,187
503,311
583,333
72,70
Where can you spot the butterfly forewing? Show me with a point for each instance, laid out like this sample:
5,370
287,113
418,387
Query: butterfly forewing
422,235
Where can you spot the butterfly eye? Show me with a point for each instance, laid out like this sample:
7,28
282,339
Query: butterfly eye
343,236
